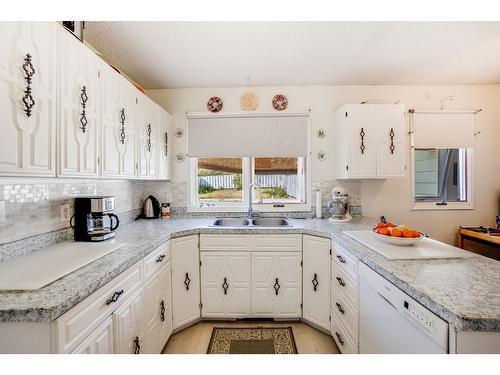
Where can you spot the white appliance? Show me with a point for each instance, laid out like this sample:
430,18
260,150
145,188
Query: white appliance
391,322
425,249
338,206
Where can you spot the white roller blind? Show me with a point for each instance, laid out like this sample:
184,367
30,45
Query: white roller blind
255,135
442,130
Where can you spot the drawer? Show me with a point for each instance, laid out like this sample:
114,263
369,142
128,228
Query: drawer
277,242
345,260
347,286
224,242
341,337
76,324
156,260
346,313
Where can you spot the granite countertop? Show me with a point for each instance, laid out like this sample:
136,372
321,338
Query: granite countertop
465,292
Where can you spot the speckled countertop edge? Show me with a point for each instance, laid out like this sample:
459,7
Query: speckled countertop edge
142,237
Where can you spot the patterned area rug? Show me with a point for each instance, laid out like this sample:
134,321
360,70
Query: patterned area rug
276,340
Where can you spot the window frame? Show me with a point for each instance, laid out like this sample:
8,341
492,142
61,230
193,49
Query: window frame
194,206
432,206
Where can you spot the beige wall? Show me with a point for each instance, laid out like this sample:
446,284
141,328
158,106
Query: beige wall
388,197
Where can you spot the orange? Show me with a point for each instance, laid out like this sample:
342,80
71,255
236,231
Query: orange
415,234
407,233
384,231
381,225
395,232
389,225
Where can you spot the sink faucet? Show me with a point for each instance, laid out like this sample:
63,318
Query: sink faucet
250,199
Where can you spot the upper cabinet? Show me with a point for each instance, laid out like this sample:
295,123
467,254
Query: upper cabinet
28,98
148,123
78,110
370,141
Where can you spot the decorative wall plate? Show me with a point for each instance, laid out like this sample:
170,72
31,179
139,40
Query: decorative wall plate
214,104
248,101
321,133
280,102
178,132
180,157
321,155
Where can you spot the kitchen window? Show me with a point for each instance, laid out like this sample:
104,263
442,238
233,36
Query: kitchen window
235,157
442,156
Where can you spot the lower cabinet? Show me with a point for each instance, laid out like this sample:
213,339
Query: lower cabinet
158,315
185,280
225,285
128,326
99,342
316,274
276,284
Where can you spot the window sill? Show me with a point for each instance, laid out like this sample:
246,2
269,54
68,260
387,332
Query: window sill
264,208
431,206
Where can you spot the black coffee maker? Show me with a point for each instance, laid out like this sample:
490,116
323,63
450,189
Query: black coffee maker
94,219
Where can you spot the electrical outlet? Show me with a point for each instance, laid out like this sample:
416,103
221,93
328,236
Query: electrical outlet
65,212
2,212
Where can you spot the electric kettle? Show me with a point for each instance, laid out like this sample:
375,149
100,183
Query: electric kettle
151,208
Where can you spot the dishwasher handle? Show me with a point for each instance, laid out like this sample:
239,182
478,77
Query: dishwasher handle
386,300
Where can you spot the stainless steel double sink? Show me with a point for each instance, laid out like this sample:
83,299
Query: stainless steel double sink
257,222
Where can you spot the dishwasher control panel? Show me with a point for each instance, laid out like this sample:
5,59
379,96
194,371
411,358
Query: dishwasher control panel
420,315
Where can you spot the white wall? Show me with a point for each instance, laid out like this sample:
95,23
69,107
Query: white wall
388,197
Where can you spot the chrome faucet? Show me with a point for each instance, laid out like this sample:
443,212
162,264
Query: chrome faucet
250,199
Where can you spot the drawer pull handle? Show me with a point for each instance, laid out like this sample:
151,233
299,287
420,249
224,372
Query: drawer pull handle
339,337
83,116
162,311
148,143
277,286
29,72
187,281
137,345
225,285
122,126
341,259
160,258
340,281
315,282
114,297
339,307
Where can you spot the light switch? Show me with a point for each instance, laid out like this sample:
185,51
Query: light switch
65,212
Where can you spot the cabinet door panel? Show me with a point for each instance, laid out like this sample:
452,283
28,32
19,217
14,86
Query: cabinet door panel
128,325
185,280
276,285
99,342
78,85
390,120
316,273
362,134
28,142
148,119
225,284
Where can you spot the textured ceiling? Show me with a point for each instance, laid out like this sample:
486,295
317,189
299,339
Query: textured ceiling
218,54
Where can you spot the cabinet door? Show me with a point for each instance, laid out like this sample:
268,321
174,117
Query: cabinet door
99,342
148,116
79,96
164,145
276,284
225,285
185,280
128,326
362,139
27,115
316,274
158,310
391,141
118,125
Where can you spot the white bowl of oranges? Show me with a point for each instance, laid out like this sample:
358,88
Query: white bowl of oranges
400,235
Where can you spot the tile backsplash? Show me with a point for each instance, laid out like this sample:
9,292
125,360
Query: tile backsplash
34,207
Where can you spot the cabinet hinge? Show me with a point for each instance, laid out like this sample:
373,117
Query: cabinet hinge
330,251
98,160
98,73
136,166
302,263
330,318
201,305
346,114
346,167
136,101
200,263
301,306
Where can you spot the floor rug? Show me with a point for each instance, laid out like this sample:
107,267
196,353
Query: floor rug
275,340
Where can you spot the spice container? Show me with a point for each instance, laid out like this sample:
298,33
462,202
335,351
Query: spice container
165,210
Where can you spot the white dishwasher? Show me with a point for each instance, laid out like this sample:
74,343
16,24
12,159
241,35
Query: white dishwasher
390,321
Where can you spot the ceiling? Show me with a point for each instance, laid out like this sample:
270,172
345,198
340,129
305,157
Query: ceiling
223,54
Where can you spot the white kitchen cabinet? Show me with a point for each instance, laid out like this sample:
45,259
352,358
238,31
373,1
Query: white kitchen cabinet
99,342
119,120
276,284
128,326
370,141
225,285
78,108
158,310
185,280
28,98
164,145
148,120
316,287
